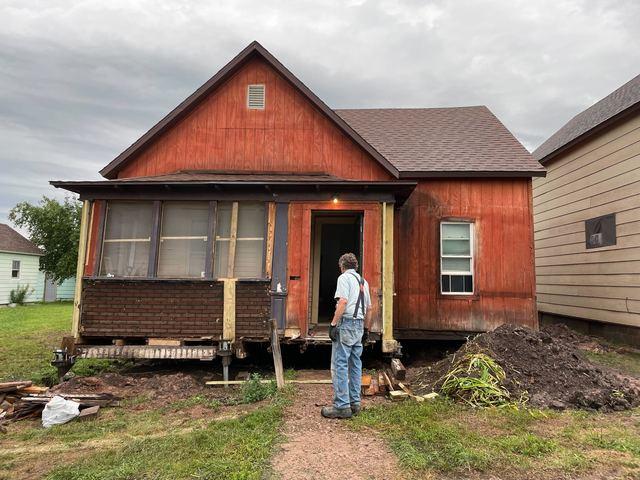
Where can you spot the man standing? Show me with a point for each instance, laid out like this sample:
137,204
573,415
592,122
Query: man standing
349,329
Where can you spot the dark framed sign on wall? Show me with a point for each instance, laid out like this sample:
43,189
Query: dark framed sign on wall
600,231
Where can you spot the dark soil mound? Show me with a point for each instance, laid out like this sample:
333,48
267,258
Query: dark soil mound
545,366
156,388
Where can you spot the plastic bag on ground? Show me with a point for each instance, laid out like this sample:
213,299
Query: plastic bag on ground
58,411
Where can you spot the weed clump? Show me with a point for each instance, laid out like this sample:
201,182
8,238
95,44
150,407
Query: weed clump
476,379
254,390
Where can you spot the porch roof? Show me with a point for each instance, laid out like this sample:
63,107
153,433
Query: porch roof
206,185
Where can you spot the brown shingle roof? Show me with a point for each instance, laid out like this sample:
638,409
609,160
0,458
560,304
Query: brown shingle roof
460,141
12,241
609,109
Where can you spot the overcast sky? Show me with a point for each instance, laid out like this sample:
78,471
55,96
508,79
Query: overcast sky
81,81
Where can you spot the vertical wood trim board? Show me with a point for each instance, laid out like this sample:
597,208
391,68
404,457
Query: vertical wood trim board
229,310
82,252
388,343
233,235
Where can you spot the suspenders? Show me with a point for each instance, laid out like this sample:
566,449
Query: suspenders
360,300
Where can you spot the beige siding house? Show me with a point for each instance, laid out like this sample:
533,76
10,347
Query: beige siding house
587,217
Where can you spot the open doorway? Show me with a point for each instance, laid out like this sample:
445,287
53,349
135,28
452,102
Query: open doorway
332,235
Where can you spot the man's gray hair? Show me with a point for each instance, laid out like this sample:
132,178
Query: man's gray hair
347,261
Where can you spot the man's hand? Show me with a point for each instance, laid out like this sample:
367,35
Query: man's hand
365,336
340,307
334,333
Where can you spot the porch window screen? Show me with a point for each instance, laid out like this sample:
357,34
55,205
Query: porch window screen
183,240
249,242
456,261
127,237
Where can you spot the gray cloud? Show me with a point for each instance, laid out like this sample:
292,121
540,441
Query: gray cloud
80,82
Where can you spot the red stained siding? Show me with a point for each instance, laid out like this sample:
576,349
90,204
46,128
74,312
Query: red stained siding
92,247
289,135
504,270
299,257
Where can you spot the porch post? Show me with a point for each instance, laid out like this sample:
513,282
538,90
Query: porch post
82,252
389,344
229,311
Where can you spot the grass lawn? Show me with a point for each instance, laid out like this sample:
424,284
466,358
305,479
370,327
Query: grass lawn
441,438
196,438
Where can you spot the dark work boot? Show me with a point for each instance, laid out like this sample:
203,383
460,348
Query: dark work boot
333,412
355,409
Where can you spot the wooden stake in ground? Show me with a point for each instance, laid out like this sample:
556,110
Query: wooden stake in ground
277,356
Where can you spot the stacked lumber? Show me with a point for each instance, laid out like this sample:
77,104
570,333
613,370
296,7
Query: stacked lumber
20,400
391,382
11,405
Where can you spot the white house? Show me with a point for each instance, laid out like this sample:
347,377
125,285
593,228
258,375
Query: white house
19,265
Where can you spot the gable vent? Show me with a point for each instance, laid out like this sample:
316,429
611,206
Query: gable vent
255,97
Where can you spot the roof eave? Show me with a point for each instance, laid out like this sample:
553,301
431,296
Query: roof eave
472,174
623,115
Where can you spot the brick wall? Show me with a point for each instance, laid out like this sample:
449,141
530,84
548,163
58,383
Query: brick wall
253,308
170,309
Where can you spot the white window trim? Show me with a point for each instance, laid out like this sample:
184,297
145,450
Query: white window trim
19,269
470,257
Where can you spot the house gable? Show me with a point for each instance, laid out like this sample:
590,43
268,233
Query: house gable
215,130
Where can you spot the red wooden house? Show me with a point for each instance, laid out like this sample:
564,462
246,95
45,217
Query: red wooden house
235,207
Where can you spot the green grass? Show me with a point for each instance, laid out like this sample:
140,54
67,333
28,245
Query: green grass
442,437
28,336
174,441
625,362
227,449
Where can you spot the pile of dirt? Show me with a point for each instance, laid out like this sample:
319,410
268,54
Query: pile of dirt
546,366
155,389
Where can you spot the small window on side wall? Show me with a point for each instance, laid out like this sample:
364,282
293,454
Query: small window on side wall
15,269
456,258
600,231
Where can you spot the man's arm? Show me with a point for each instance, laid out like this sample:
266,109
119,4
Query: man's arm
340,307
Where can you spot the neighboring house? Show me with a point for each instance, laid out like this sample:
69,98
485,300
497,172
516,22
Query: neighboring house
587,218
19,264
49,291
235,207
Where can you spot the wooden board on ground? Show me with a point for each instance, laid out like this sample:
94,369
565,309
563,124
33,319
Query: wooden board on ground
90,412
13,386
397,395
321,381
398,370
277,355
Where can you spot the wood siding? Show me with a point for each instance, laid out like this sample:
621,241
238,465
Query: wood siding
598,177
29,275
504,281
289,135
299,256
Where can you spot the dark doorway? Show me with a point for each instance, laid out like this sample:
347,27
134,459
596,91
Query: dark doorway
333,234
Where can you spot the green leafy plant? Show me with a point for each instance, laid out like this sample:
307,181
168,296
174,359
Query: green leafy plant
19,294
55,227
254,390
476,379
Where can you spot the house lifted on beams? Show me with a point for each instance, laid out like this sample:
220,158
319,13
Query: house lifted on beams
234,209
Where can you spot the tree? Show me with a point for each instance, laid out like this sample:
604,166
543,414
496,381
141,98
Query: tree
54,227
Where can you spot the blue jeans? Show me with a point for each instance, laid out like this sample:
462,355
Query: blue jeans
346,365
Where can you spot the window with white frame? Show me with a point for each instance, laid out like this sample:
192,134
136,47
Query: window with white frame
183,240
456,258
248,242
127,239
15,269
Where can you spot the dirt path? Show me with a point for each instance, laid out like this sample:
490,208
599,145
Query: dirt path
317,448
